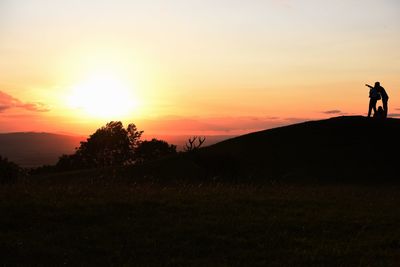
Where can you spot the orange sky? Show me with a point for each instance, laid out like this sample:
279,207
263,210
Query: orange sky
192,67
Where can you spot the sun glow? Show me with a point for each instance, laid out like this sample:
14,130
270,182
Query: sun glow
104,96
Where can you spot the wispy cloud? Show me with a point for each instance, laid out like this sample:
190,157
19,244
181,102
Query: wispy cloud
394,115
7,102
333,111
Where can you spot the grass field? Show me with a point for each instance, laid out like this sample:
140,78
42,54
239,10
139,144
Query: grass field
124,224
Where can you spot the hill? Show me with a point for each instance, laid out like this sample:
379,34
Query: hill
348,148
29,149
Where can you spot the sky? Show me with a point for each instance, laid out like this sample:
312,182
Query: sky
220,67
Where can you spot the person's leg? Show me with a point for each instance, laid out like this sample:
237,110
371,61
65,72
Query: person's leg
385,108
369,108
372,106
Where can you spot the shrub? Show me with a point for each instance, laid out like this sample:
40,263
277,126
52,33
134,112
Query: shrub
154,149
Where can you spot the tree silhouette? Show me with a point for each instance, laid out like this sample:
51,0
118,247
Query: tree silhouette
154,149
110,145
191,143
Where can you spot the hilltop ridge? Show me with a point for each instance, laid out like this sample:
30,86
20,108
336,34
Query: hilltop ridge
339,149
346,147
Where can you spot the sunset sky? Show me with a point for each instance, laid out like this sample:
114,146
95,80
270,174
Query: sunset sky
192,67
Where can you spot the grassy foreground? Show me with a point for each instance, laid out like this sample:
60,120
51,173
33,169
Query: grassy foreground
198,225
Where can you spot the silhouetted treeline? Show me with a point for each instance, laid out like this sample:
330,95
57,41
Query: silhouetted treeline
114,145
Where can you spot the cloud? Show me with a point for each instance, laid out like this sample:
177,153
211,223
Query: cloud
394,115
2,108
333,111
7,102
39,107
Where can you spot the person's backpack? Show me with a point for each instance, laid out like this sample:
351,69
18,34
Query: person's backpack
374,94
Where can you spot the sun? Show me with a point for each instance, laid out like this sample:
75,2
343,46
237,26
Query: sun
104,96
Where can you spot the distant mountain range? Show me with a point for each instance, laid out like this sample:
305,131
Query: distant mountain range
32,149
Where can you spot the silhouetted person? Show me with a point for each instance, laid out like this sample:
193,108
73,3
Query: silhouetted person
385,97
380,113
374,96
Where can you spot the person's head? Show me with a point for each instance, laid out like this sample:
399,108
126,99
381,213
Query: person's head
377,84
380,109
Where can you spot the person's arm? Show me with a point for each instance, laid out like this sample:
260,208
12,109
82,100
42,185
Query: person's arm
369,86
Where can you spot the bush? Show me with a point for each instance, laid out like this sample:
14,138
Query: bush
154,149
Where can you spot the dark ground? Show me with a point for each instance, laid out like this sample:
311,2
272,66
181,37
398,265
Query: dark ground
80,224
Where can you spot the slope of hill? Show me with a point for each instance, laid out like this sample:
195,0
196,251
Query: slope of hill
352,147
35,149
348,148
